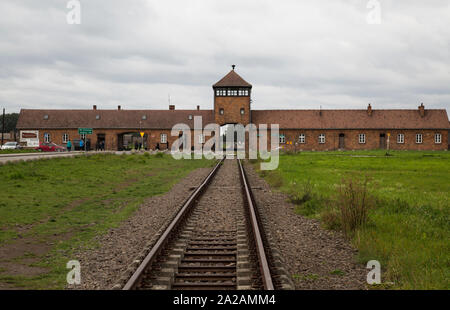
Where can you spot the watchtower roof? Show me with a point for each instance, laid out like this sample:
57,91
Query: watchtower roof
232,79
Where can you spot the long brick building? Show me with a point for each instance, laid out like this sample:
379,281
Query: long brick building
417,129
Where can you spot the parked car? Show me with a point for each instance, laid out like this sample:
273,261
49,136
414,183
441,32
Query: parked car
50,147
11,146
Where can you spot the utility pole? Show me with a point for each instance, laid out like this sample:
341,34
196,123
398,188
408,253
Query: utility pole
3,124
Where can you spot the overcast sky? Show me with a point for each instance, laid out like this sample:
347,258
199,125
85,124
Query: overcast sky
297,54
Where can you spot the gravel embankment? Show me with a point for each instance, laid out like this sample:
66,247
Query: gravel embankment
102,267
222,203
315,258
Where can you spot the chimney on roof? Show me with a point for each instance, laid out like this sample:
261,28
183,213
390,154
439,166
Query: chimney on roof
94,107
369,110
171,107
198,108
422,110
118,107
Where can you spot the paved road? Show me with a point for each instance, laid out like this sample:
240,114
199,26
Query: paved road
33,156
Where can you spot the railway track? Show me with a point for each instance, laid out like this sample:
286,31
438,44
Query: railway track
214,242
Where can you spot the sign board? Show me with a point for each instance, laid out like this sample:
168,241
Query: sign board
30,137
142,133
85,131
389,134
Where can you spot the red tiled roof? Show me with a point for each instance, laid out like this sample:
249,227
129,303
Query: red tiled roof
352,119
287,119
232,79
156,119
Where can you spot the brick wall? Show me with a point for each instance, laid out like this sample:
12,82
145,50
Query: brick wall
232,110
351,139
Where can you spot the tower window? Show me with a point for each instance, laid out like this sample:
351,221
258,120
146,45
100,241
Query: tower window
243,92
242,111
221,111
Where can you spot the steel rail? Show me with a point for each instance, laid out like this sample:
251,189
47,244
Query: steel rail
263,263
151,256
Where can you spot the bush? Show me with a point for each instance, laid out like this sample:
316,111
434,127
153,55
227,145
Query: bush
304,195
159,155
331,219
353,203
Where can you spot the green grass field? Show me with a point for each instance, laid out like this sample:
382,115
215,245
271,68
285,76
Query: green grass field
65,202
18,151
409,227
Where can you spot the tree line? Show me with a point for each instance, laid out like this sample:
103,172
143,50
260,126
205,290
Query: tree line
10,121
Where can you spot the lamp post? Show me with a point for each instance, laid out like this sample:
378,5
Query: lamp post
142,137
3,125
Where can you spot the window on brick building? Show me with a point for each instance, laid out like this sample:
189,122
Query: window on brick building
190,116
65,138
419,138
163,138
282,139
362,138
438,138
322,138
83,136
302,138
400,138
221,111
242,111
46,137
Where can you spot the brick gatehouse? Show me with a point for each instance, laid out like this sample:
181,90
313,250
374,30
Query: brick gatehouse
320,130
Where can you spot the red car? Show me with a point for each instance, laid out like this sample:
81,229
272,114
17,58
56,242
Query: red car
50,147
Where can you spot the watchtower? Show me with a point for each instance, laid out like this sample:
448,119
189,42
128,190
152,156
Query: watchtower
232,100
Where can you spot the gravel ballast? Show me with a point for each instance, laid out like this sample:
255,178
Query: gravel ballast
102,267
314,257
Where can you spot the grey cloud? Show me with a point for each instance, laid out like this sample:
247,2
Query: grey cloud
296,54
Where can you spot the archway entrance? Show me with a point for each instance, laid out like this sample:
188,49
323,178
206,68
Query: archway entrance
238,141
131,141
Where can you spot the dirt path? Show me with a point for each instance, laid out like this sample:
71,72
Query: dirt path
315,258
